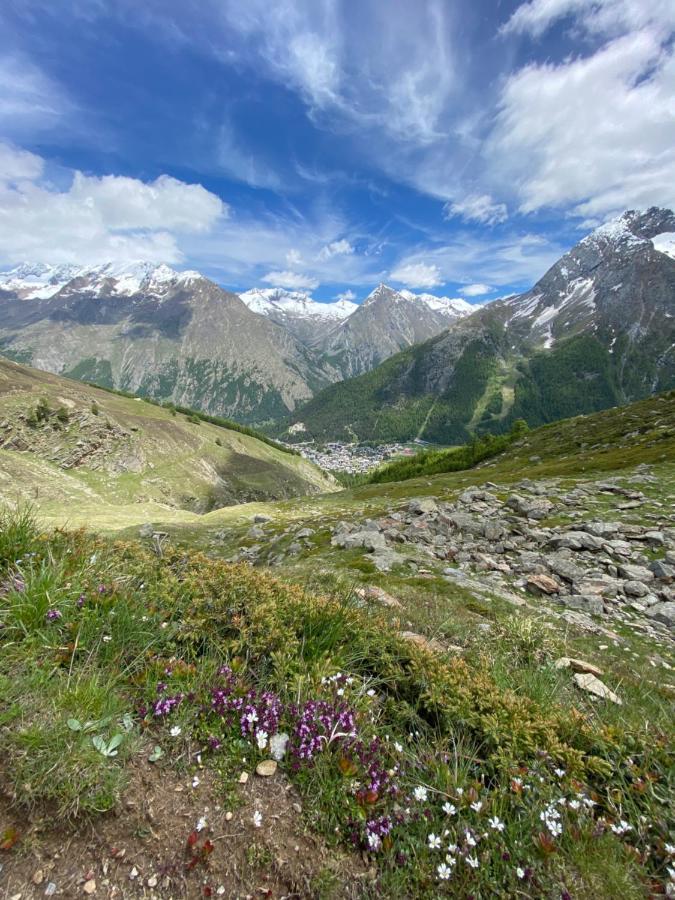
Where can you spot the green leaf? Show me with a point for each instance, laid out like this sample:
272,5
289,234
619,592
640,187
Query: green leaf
156,754
99,742
74,725
127,722
115,741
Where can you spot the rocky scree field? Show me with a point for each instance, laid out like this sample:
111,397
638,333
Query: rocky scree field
462,684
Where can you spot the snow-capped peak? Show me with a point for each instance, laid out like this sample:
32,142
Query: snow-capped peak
267,301
456,306
38,281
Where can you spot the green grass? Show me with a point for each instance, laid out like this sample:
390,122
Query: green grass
133,628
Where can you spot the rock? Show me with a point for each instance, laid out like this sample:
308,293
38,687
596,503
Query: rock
588,603
256,533
467,524
423,642
279,745
531,507
384,560
662,571
655,538
588,682
266,768
635,573
147,530
577,540
663,612
602,529
243,778
541,584
261,518
376,594
89,887
635,588
369,540
422,506
304,533
577,665
38,876
563,567
152,881
493,530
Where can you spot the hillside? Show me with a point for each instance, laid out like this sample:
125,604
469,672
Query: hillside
153,331
597,330
179,337
75,448
448,686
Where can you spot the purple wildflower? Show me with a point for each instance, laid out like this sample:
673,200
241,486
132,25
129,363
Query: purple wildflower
53,615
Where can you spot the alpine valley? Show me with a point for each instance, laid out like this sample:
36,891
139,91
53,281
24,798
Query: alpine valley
177,336
596,331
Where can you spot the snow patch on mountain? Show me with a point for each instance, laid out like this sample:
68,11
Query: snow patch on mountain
665,243
267,301
37,281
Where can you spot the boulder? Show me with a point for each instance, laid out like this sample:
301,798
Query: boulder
577,665
423,506
577,540
530,507
662,571
635,589
378,595
369,540
588,682
541,584
635,573
662,612
261,518
588,603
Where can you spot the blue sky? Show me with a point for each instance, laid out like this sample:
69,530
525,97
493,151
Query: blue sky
328,145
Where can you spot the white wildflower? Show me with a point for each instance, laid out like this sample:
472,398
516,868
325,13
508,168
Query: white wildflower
175,731
261,739
257,818
472,861
420,793
444,872
477,806
449,809
496,824
434,842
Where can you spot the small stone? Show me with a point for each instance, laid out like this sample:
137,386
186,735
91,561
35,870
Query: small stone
152,881
593,685
38,877
50,890
243,778
577,665
229,816
89,887
133,874
266,768
423,642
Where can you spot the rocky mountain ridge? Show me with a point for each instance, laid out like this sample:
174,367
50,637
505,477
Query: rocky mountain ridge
178,336
596,330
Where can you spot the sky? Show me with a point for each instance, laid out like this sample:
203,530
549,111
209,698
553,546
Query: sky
452,147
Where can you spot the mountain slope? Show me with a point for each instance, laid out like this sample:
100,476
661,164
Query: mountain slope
386,322
153,331
298,313
598,329
71,447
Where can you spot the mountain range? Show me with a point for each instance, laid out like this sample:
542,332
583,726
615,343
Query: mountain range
178,336
598,329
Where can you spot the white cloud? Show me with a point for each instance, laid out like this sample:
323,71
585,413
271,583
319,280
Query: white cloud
294,258
96,219
595,133
514,259
478,208
609,17
476,290
30,102
291,280
346,295
417,275
336,248
18,165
